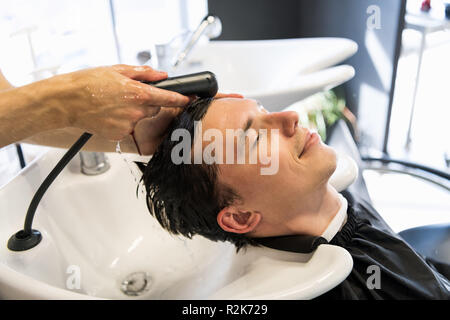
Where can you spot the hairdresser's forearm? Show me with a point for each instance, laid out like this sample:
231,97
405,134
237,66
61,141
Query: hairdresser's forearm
4,84
25,117
66,137
28,110
29,120
60,138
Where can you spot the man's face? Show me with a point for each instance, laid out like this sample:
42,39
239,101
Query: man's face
304,162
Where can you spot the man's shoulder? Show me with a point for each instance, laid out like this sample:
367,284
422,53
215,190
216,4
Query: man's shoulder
365,211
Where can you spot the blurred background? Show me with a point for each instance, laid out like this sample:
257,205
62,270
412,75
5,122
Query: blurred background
398,94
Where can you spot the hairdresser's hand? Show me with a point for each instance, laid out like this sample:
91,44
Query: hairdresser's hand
110,101
150,132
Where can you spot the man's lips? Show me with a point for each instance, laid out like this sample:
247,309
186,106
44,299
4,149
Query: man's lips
310,139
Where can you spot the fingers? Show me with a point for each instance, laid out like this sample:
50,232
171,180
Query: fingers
159,116
141,73
228,95
166,115
152,111
148,94
153,96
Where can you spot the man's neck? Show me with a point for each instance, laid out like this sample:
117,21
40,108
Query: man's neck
315,217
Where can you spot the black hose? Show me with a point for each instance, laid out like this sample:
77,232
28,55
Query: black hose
50,178
20,155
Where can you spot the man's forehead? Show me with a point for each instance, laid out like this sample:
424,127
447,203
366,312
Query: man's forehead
228,113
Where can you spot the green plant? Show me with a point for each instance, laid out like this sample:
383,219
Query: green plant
322,110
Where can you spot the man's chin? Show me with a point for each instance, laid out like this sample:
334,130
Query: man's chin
329,159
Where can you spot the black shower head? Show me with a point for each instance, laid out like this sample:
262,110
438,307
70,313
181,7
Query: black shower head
202,84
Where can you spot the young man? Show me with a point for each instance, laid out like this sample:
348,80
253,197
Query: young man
293,208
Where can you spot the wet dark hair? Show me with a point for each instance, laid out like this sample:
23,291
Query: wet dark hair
186,198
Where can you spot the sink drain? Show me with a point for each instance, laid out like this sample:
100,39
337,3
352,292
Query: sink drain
136,284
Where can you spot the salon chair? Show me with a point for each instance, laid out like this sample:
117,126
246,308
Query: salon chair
432,242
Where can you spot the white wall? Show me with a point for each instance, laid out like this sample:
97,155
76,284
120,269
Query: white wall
70,35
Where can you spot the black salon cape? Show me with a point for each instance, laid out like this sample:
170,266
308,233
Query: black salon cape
370,241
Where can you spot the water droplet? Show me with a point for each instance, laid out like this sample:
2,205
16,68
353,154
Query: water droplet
131,166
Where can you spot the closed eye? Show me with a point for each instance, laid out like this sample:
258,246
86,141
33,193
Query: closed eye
256,140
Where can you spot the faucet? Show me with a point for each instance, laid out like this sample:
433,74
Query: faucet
93,163
211,26
164,59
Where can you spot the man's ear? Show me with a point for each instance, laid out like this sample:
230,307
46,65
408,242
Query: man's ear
233,220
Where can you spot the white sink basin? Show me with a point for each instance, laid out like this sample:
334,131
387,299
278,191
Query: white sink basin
275,72
95,228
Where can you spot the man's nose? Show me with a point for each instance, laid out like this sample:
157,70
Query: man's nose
286,121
